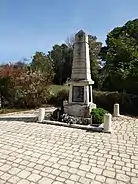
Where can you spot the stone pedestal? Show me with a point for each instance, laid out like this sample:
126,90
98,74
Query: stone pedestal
116,110
80,101
80,94
107,123
41,114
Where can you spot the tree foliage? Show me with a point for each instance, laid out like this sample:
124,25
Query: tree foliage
42,63
121,55
22,87
62,57
94,48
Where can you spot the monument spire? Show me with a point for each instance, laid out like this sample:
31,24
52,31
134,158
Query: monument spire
81,59
80,93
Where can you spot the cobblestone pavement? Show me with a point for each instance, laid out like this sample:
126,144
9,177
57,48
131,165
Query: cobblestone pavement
32,153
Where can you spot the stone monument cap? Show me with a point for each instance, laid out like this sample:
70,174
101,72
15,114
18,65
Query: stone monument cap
80,36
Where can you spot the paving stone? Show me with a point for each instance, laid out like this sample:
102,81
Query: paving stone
81,173
135,171
107,164
134,180
74,164
131,174
63,162
23,181
127,169
5,176
14,179
47,163
56,172
123,177
112,161
117,158
56,182
95,182
120,171
14,171
65,175
84,180
34,177
101,163
96,170
90,175
120,182
110,181
117,166
22,167
56,166
35,171
5,167
50,176
120,163
39,167
69,182
64,168
124,155
100,178
24,162
134,158
73,170
74,177
109,174
60,179
40,161
84,167
45,181
47,169
24,174
18,160
53,159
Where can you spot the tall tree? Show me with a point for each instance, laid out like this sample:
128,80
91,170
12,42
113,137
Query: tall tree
61,56
41,62
121,55
95,48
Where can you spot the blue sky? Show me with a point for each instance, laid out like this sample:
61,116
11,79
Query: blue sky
27,26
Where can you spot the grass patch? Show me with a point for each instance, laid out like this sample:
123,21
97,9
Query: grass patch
54,89
58,94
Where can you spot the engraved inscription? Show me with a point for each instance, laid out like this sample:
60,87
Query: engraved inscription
78,94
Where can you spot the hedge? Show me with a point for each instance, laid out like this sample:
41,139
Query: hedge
106,100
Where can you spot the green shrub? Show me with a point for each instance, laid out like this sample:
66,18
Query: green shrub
106,100
128,102
98,115
58,98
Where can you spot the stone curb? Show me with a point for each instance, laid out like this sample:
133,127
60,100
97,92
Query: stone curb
19,118
83,127
49,122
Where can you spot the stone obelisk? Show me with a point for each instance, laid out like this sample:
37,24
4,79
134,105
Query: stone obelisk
80,101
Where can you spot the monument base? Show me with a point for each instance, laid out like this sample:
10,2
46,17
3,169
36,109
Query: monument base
78,110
